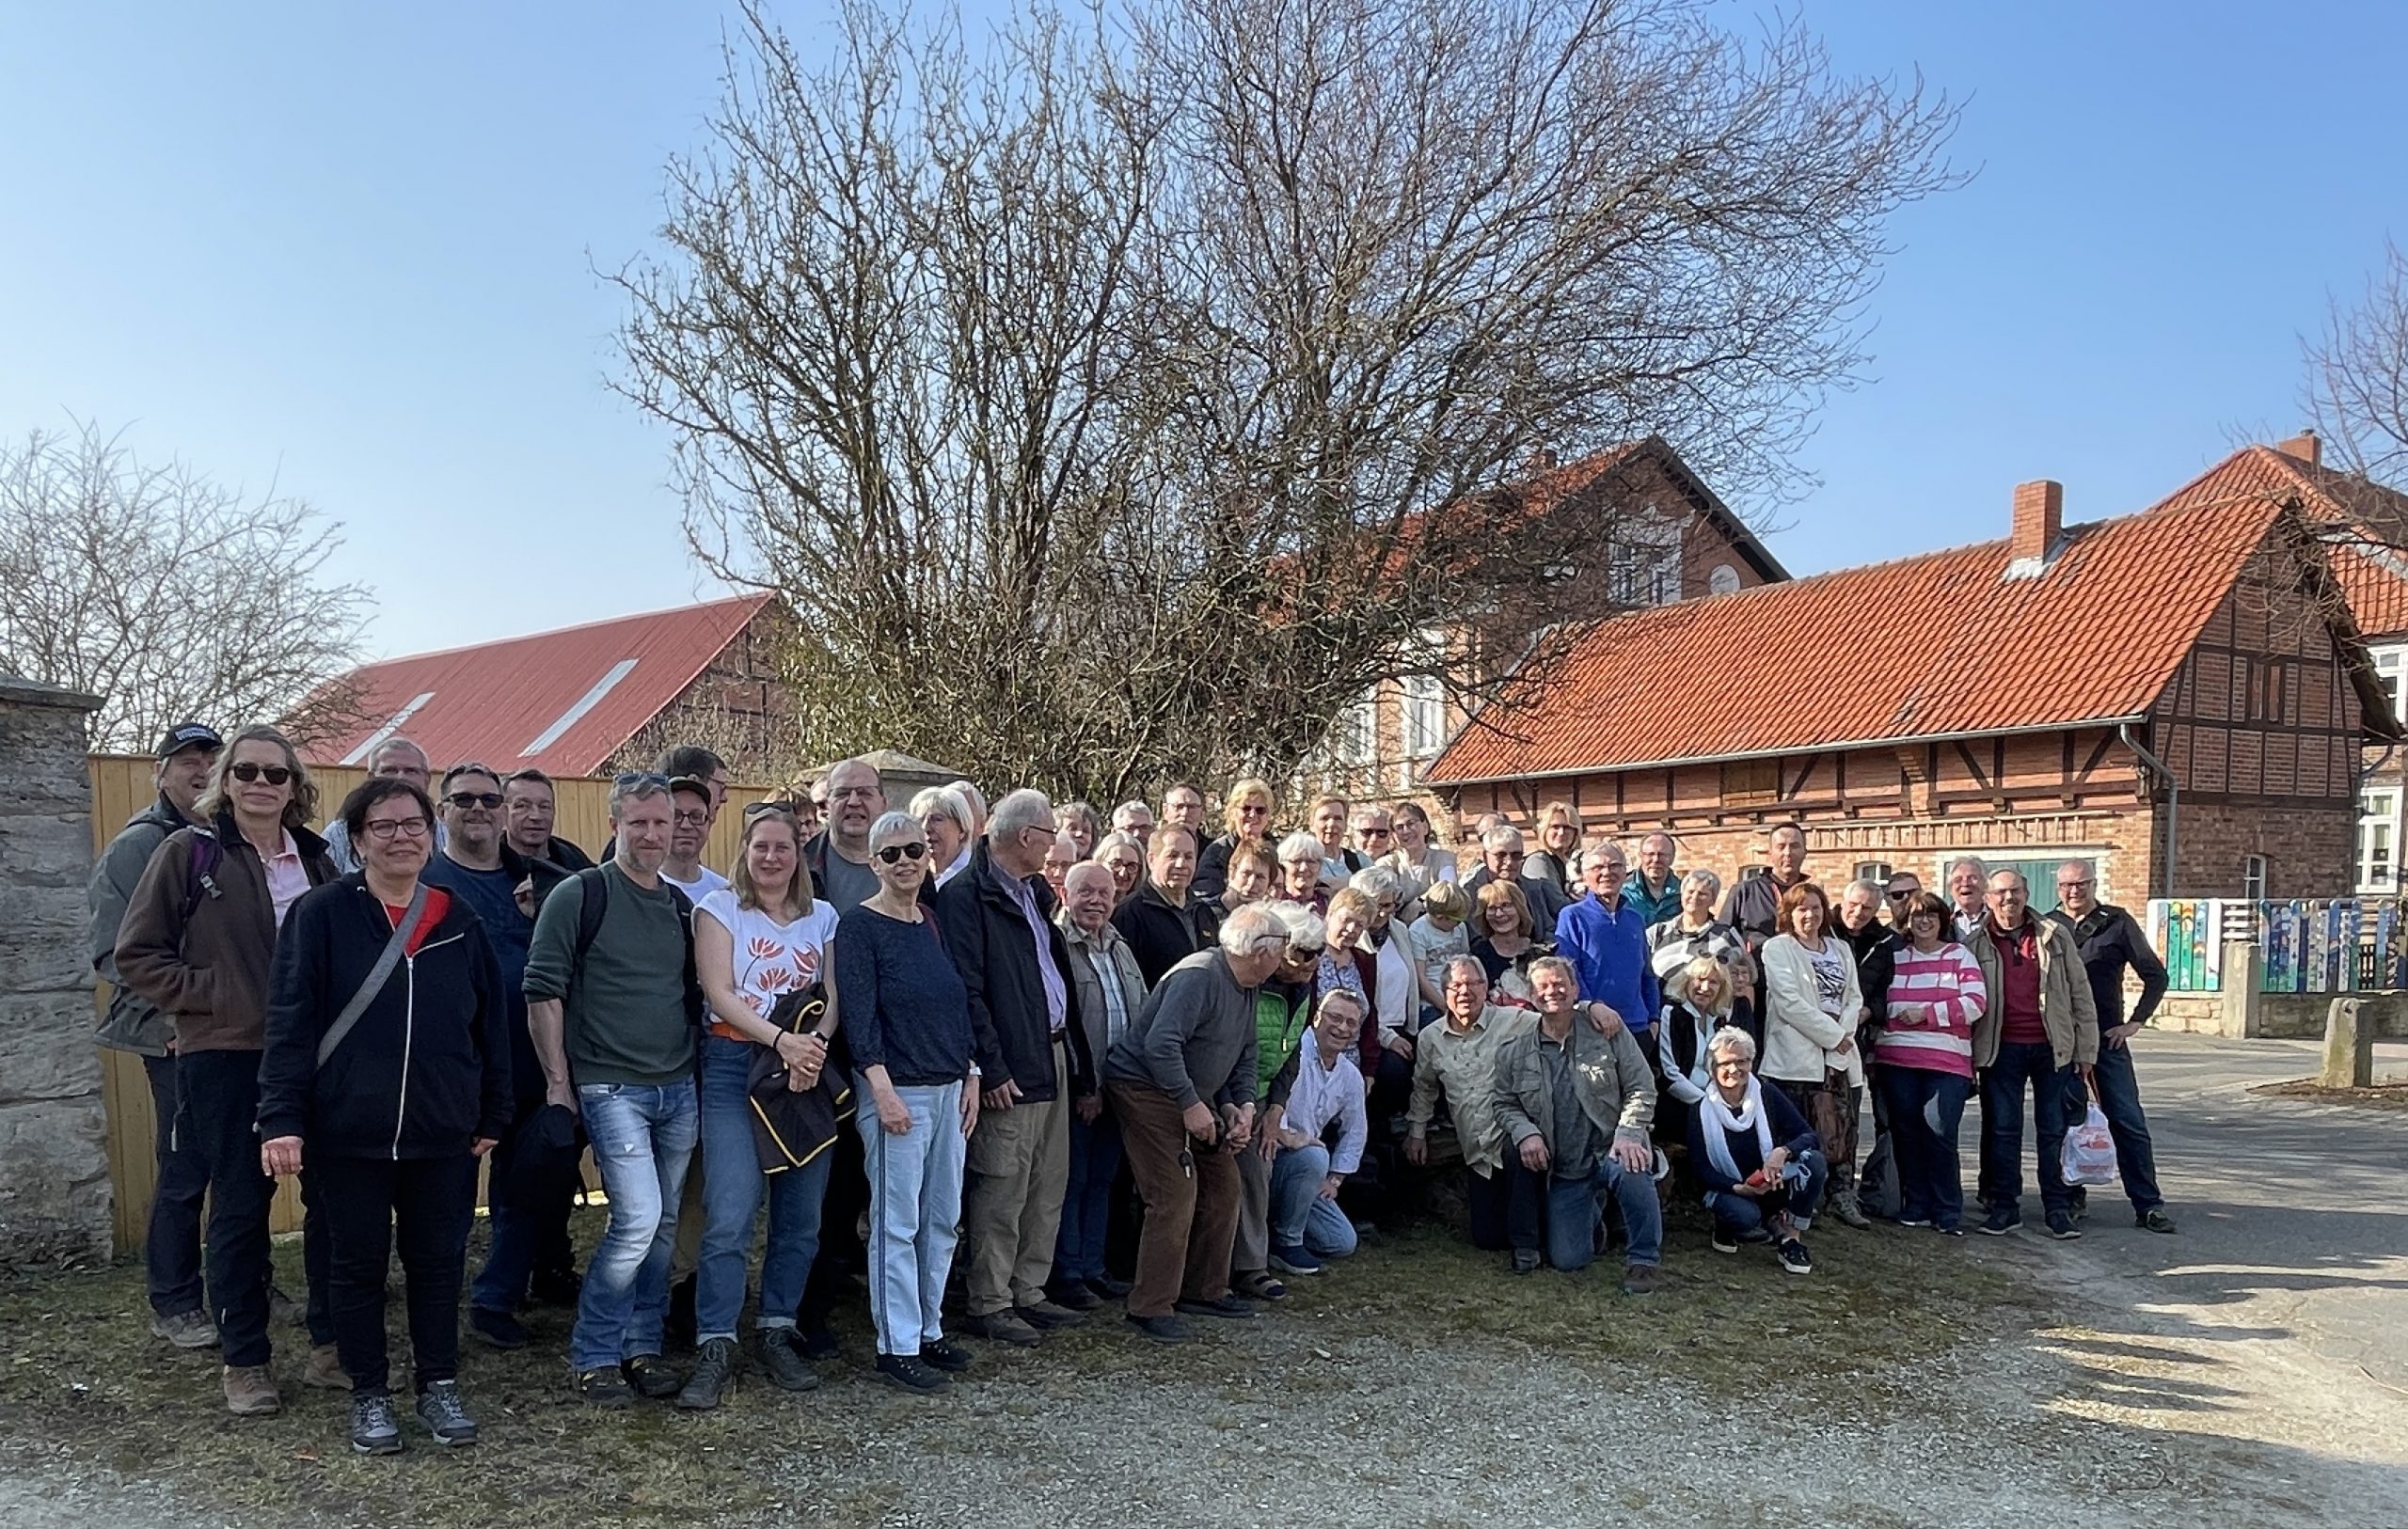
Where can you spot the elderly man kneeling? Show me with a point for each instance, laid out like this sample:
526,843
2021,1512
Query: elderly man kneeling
1181,1079
1576,1103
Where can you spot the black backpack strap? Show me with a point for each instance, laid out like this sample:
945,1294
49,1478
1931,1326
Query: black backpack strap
201,872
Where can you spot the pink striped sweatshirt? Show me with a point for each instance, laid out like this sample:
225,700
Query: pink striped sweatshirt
1935,1001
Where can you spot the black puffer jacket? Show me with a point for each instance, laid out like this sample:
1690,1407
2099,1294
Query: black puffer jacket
427,1068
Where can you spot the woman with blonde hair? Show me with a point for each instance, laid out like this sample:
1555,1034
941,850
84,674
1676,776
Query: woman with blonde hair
1504,939
1698,999
1245,815
1558,831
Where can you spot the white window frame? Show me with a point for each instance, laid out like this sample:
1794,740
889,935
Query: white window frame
1424,703
2377,840
1359,729
2253,878
2390,662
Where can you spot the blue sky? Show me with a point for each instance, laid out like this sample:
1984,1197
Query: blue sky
346,249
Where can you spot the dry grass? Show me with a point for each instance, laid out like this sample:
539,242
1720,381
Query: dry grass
84,1376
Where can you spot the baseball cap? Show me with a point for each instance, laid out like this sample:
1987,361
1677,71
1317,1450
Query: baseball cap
693,785
185,735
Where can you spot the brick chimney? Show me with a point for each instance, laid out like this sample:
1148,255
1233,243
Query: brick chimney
2304,446
2039,515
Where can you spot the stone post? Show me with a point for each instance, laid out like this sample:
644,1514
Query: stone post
2350,1028
53,1130
2245,973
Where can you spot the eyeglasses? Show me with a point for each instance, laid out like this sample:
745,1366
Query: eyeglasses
893,853
1373,833
247,772
2072,886
753,809
1902,894
1304,952
690,820
397,828
474,798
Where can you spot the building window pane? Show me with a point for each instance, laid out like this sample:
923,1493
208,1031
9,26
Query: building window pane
2378,841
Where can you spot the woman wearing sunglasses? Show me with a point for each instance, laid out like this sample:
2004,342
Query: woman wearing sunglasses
198,934
906,1016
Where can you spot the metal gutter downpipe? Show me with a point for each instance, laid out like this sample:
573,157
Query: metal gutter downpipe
2172,797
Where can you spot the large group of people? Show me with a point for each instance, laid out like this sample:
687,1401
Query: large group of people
1015,1061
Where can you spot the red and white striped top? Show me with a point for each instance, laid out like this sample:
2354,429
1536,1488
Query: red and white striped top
1934,1002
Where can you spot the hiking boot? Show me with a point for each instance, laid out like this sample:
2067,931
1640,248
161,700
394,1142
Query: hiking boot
1844,1206
1164,1330
1639,1280
652,1376
374,1429
324,1369
1046,1316
949,1357
1999,1222
1227,1307
605,1388
2061,1227
713,1378
1794,1258
2154,1220
447,1422
500,1329
250,1391
909,1372
1296,1259
1071,1296
1004,1327
781,1361
1525,1260
185,1330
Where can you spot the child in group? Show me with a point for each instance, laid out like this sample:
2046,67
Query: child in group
1436,937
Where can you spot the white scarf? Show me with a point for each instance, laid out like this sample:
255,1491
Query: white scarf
1720,1121
1688,1078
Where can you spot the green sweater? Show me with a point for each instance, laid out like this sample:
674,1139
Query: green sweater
623,1010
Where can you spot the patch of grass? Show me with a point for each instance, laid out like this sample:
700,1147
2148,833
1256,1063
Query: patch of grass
2389,1095
79,1370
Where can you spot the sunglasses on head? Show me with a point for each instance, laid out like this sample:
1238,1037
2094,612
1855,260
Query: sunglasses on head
474,798
247,772
639,778
893,853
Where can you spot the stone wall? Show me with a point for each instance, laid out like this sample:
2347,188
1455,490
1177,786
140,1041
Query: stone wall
53,1156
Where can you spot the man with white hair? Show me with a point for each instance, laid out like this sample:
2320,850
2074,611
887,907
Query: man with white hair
1134,817
1501,857
1968,882
997,920
1182,1082
1654,888
399,757
1111,990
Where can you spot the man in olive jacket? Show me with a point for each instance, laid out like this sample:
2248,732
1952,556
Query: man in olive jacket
2040,1031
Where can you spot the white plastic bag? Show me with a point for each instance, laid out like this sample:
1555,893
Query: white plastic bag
2089,1157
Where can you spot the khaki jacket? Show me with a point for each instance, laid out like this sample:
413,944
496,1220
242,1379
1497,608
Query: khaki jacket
2066,1009
1617,1088
1464,1065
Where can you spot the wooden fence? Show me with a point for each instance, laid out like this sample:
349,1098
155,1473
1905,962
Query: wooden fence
122,786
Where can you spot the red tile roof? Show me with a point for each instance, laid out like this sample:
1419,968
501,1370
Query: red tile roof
1964,649
564,701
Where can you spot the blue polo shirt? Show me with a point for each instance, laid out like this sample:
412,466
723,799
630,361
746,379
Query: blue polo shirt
1610,953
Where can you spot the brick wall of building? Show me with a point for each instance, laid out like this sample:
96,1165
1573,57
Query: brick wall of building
741,707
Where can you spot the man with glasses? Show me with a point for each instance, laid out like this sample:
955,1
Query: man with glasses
1899,896
838,854
2040,1029
1502,857
1654,888
614,1008
997,922
1137,820
693,807
397,757
1184,804
2111,943
171,1245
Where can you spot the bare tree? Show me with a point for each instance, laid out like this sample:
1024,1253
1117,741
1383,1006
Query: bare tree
1123,398
169,596
2356,393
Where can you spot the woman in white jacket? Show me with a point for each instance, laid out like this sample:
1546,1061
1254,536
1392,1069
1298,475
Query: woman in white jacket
1811,1008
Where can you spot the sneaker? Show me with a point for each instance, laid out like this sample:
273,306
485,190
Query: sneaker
605,1388
250,1391
324,1369
1295,1259
1725,1239
1999,1222
1004,1327
1525,1260
909,1372
1227,1307
1950,1230
2154,1220
1071,1295
815,1342
1161,1329
713,1376
374,1429
185,1330
949,1357
1046,1316
1844,1206
2061,1227
284,1308
500,1329
652,1376
558,1288
447,1422
1110,1288
1639,1280
1794,1258
1914,1221
781,1361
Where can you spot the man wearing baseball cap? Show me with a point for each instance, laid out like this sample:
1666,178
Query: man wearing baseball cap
172,1245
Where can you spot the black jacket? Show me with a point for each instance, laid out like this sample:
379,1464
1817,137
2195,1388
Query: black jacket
989,941
1161,935
2110,941
1876,946
426,1069
1212,866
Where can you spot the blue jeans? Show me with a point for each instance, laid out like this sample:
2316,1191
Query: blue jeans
1745,1213
914,1211
1299,1215
2022,1064
1575,1206
643,1135
732,1185
1924,1108
2119,1100
1086,1206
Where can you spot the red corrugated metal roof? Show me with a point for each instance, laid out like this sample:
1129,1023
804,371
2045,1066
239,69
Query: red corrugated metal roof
1931,646
564,701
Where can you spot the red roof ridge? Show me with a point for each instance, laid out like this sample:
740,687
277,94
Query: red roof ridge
754,602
